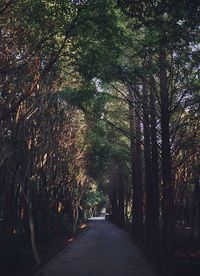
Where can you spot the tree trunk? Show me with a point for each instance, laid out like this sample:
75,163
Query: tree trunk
150,238
154,172
168,193
121,221
32,233
196,175
136,171
113,193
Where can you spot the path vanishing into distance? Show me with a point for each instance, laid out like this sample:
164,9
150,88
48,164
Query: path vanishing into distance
101,250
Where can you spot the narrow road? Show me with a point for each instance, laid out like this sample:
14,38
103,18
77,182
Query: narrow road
101,250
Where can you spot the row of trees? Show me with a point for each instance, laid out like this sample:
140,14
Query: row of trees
44,180
157,76
100,92
152,111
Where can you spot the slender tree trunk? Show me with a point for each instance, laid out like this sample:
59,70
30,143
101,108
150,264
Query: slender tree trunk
168,193
75,217
193,218
32,233
31,227
196,174
149,208
121,201
9,207
154,172
136,171
113,192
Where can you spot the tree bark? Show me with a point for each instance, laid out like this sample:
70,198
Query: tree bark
154,173
136,172
168,193
150,238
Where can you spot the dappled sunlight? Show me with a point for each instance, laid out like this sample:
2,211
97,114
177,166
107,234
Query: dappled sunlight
82,226
70,240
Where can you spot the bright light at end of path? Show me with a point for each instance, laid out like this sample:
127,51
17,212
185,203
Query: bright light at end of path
97,218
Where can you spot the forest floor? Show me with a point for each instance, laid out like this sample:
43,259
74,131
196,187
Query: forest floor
102,250
24,265
187,253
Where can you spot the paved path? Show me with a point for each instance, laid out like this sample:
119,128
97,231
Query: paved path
101,250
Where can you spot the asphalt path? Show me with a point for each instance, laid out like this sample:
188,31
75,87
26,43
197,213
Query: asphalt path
100,250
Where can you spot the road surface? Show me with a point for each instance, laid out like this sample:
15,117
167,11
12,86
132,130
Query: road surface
101,250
